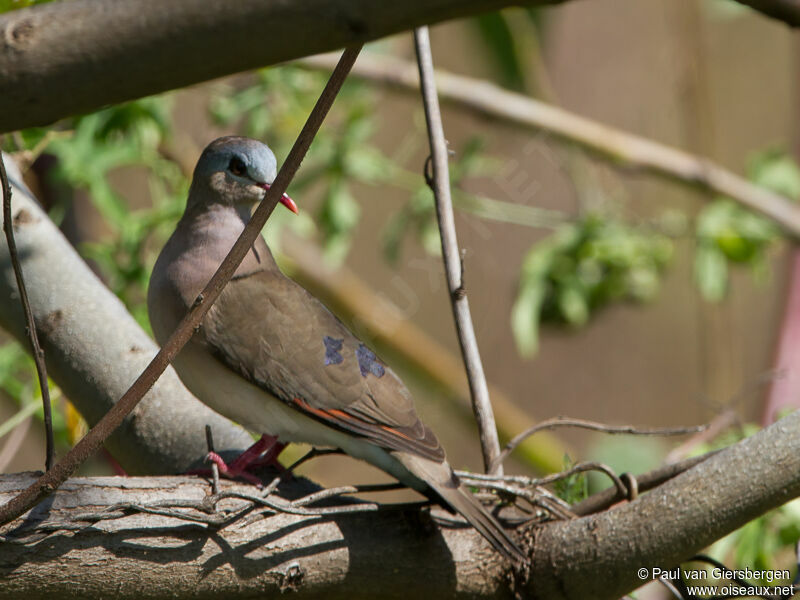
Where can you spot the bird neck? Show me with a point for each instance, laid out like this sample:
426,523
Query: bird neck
245,213
214,228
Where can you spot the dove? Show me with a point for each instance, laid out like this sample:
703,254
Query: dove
271,357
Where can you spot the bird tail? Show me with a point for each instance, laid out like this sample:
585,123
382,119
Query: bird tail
441,479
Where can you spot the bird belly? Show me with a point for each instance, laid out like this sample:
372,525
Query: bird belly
232,396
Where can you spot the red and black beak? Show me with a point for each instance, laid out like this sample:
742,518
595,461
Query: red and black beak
285,200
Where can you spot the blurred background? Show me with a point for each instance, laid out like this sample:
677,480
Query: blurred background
596,292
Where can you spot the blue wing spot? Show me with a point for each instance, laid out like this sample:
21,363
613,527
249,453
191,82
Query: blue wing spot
368,362
332,348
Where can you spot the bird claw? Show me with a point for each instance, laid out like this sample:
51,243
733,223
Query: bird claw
264,452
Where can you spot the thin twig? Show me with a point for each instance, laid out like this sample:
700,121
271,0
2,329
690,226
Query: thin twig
440,184
313,453
112,419
618,147
214,465
481,480
205,511
646,481
584,424
30,324
717,426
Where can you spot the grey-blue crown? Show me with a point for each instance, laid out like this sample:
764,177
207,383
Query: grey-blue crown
257,157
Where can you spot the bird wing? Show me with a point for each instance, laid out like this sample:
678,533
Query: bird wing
272,331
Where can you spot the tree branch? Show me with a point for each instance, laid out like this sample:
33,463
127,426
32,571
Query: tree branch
620,148
671,523
338,556
439,182
90,53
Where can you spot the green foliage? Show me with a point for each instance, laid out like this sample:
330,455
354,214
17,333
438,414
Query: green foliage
582,267
510,38
19,383
89,148
418,216
499,41
9,5
573,488
765,543
728,233
275,107
127,135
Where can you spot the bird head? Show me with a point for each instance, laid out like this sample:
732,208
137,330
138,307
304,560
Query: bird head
238,170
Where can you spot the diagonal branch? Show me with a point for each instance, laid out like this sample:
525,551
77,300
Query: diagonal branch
620,148
439,182
594,426
97,435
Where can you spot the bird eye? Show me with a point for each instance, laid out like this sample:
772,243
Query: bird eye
237,166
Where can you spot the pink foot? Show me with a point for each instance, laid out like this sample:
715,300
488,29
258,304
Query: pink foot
264,452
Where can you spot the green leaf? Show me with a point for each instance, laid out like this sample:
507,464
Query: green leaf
777,171
585,265
9,5
711,272
525,317
574,305
499,40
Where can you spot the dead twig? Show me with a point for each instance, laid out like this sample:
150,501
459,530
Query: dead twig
647,481
594,426
30,325
214,466
440,184
718,424
619,148
111,420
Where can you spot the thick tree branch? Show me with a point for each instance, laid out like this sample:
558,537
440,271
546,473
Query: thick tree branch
95,349
144,554
72,57
672,522
620,148
341,556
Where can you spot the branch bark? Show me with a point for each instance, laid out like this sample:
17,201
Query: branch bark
620,148
340,556
145,554
439,181
90,53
